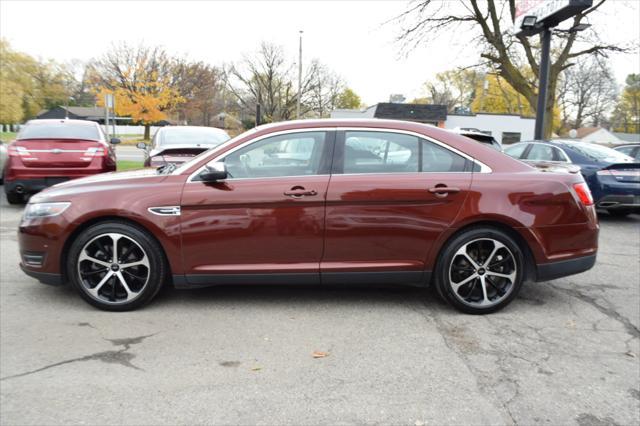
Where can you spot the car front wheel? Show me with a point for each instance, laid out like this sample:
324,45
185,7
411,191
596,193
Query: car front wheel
116,266
480,271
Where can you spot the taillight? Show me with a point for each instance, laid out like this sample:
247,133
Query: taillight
18,151
583,192
619,173
96,152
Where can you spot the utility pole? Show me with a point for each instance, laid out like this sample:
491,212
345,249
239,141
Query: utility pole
299,78
543,84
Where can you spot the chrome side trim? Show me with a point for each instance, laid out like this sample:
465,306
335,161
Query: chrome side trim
165,210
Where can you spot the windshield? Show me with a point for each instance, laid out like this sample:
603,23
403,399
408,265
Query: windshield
186,165
59,130
600,153
192,136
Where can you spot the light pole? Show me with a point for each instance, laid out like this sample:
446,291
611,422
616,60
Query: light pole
299,77
543,78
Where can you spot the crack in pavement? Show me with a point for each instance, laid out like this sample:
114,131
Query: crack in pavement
121,357
454,341
608,311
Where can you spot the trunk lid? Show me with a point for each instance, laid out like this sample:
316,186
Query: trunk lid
623,172
62,153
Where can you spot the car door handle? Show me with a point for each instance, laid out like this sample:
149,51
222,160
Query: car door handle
441,190
297,193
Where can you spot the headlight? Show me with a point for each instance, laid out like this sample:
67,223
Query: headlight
35,210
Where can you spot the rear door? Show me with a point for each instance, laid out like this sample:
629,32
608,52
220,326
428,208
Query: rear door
391,195
265,223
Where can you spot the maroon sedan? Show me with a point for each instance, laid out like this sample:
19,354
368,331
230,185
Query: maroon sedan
317,202
47,152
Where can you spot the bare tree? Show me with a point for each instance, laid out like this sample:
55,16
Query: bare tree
454,88
588,93
268,79
202,87
514,58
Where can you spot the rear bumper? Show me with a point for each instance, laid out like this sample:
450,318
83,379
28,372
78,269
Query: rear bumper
620,202
31,186
563,268
43,277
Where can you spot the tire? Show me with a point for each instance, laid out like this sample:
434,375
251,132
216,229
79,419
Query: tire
493,252
99,278
14,198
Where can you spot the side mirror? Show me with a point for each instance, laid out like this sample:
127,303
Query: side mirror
141,145
114,141
214,172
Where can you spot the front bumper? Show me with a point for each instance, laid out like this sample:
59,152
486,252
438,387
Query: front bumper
43,277
563,268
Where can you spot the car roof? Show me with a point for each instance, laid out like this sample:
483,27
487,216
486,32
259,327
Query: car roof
43,121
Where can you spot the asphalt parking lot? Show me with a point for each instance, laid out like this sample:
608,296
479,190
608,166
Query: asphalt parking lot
565,352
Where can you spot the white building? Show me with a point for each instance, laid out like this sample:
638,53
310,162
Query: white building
505,128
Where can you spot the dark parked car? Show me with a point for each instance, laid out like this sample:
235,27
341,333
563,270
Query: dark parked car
481,137
177,144
47,152
632,150
613,177
317,202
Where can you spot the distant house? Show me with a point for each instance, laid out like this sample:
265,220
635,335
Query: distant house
77,113
505,128
87,113
628,137
603,136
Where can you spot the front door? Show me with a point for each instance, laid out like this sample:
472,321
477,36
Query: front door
265,223
390,197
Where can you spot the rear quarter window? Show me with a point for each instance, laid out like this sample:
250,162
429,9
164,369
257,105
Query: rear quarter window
59,131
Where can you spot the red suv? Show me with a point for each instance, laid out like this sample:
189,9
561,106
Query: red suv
317,202
47,152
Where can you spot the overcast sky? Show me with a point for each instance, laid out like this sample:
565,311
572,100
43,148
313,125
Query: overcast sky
349,36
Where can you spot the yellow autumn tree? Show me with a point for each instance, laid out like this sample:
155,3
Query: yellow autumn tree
494,95
140,80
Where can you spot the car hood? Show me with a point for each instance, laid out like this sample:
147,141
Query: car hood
120,181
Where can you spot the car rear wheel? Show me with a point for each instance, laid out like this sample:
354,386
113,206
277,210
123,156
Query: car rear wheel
116,266
14,198
480,271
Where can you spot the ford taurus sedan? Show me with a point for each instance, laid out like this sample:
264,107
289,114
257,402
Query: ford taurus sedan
322,202
47,152
177,144
613,177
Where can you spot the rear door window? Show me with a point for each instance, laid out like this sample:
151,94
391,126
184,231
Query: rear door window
516,151
439,159
380,152
540,152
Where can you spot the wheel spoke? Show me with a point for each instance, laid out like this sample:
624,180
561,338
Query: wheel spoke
510,276
124,284
142,262
496,246
114,249
85,256
456,286
97,271
485,298
102,282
